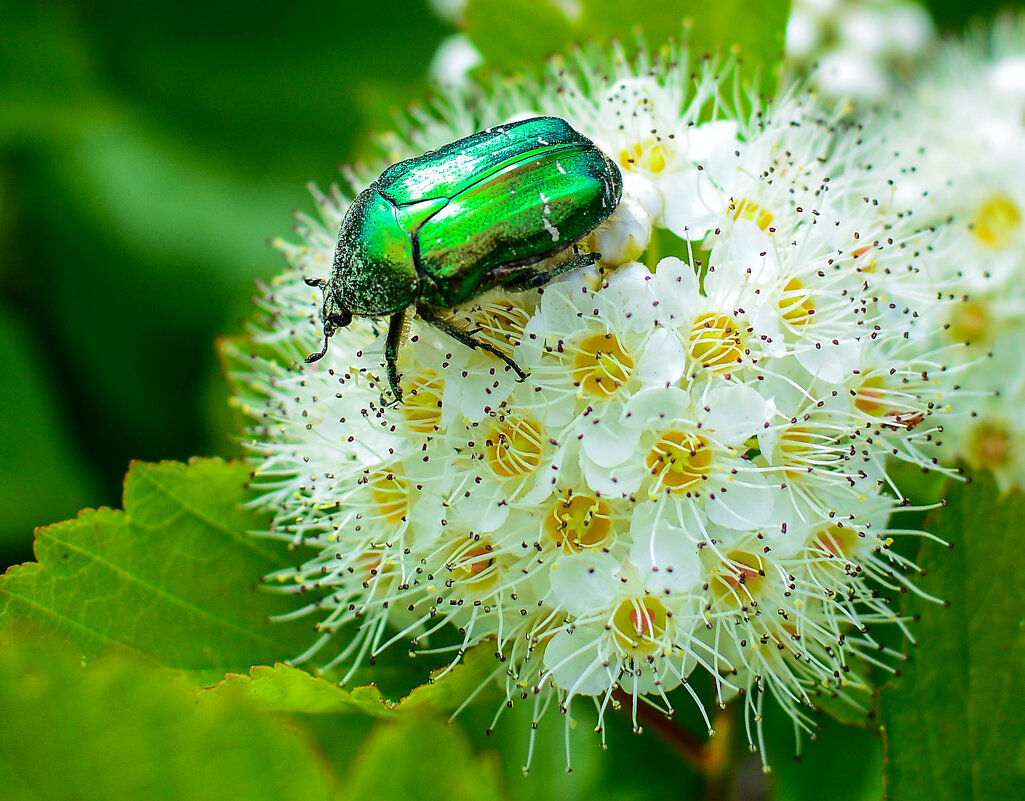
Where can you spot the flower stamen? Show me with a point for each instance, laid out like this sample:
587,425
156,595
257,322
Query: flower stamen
514,447
579,521
601,365
679,461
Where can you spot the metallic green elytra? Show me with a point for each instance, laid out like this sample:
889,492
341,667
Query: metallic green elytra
482,212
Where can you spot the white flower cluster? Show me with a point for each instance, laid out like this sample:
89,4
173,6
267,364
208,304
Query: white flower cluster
858,46
693,477
969,109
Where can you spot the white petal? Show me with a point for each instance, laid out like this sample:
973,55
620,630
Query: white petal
747,502
665,556
736,412
693,206
626,234
644,193
657,677
702,140
483,509
613,481
832,364
676,286
605,443
662,360
585,583
655,408
627,301
575,663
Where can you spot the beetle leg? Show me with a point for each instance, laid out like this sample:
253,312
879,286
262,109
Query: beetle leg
428,315
535,279
396,333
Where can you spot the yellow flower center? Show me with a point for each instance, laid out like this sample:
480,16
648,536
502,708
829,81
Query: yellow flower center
514,447
865,265
796,450
679,461
500,323
649,155
474,567
796,304
639,623
749,210
601,366
422,401
969,322
990,445
996,222
580,521
391,492
836,540
877,400
739,579
376,564
715,342
870,396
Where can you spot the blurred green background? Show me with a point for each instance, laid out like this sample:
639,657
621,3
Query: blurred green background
149,151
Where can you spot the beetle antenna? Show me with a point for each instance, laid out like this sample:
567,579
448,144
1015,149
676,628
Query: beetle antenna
332,316
314,357
320,284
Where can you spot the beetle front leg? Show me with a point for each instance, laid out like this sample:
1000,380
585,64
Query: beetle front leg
428,315
535,280
396,333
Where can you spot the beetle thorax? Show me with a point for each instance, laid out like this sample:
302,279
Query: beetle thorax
373,273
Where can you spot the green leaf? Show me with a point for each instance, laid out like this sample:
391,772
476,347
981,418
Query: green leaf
421,759
953,723
173,577
287,689
117,730
841,763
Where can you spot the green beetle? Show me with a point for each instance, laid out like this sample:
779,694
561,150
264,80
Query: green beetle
482,212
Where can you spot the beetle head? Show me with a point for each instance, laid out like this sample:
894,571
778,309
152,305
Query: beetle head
332,315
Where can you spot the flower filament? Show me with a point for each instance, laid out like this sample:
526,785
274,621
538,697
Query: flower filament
579,521
715,342
679,461
601,365
514,447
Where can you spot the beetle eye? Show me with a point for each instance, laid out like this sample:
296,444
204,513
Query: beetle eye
338,318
